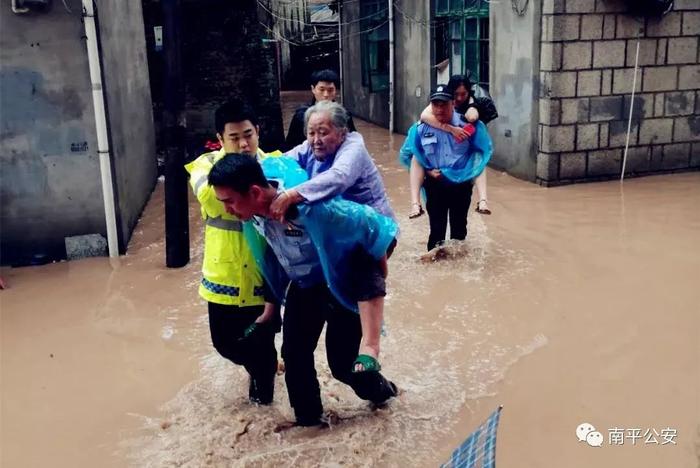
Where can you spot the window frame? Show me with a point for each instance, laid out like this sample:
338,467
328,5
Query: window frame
374,18
459,12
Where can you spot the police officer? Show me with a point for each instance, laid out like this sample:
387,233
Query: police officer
442,157
231,283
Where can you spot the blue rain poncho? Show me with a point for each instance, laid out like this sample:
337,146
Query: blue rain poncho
467,168
336,228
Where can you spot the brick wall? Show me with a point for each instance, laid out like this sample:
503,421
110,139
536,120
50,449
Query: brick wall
224,56
586,74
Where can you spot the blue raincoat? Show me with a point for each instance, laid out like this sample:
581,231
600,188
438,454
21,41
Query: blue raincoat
467,168
336,227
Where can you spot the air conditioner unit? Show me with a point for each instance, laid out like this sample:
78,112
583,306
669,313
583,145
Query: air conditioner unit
649,7
32,4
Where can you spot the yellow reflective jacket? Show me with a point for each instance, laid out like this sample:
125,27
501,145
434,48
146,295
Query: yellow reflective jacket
230,275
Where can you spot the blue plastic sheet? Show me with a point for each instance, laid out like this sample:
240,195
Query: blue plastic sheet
467,168
337,227
479,449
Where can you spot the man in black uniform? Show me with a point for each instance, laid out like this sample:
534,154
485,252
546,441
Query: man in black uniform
324,87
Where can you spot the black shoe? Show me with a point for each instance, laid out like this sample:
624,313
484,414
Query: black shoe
261,394
326,419
390,392
308,422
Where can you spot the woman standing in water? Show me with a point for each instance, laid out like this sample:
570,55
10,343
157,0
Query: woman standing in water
465,105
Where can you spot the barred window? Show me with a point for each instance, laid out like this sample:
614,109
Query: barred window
374,43
462,35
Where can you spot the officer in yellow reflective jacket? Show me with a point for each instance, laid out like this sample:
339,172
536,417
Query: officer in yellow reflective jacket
231,283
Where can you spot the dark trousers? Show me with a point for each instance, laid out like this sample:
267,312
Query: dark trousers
306,312
443,199
257,354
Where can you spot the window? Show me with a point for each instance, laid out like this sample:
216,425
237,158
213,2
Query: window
374,43
462,36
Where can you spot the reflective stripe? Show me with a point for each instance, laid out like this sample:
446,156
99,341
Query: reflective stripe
201,181
258,291
220,288
210,157
225,224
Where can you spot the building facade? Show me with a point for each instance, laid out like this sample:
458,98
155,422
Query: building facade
560,71
306,36
50,177
226,53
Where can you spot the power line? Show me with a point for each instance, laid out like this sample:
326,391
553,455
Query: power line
439,21
334,23
284,39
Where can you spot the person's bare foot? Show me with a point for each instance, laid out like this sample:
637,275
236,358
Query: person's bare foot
416,211
370,351
438,253
482,207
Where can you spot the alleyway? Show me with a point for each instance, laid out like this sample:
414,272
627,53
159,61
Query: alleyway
575,304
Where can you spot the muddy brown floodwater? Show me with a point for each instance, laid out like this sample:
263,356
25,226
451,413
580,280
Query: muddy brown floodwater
574,304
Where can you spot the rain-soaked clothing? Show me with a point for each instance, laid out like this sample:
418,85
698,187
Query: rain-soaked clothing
350,173
229,276
306,312
257,354
326,234
336,228
449,196
232,284
437,149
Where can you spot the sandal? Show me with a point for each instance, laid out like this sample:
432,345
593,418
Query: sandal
483,211
416,212
368,362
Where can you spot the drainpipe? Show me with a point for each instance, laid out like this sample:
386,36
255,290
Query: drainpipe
101,124
391,66
340,50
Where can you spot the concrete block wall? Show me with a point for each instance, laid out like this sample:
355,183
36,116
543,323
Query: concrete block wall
49,171
587,60
224,56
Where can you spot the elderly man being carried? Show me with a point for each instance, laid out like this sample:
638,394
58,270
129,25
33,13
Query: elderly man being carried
337,163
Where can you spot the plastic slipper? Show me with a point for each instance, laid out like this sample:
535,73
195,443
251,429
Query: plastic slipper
250,331
368,362
416,213
254,331
484,211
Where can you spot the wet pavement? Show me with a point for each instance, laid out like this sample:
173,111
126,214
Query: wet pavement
573,304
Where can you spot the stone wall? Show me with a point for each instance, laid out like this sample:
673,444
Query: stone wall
224,56
587,63
226,53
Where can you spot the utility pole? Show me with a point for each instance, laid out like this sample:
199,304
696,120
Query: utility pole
177,230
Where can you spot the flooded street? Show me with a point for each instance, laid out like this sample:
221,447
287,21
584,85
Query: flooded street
573,304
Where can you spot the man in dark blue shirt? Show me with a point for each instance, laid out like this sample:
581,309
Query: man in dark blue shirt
444,197
325,85
316,249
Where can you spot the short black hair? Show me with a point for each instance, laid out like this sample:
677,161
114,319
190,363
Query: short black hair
233,111
325,75
237,172
460,80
